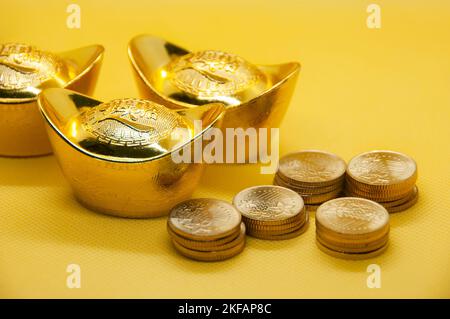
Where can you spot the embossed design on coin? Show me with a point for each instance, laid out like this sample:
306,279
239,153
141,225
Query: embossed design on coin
130,122
382,168
312,167
351,215
268,203
209,74
23,66
204,217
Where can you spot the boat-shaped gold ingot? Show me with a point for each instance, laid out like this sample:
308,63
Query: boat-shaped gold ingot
256,96
117,155
24,72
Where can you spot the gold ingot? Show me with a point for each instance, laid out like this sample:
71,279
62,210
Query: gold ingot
117,156
256,96
24,72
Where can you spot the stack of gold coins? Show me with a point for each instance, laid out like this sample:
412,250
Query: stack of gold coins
352,228
386,177
317,176
206,229
272,212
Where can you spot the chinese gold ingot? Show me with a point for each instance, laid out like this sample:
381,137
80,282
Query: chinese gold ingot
117,155
256,96
24,72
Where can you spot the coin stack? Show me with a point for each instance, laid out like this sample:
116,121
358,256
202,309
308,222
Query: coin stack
386,177
317,176
352,228
206,229
272,212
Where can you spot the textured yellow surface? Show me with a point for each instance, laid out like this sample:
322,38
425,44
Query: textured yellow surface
359,89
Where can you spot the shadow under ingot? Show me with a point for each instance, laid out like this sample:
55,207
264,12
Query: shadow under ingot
117,155
24,72
256,96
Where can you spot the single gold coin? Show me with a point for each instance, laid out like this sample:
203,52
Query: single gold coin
307,190
271,232
353,217
320,198
376,196
382,170
404,206
268,203
410,196
211,245
311,167
204,219
295,233
190,243
210,255
348,247
352,256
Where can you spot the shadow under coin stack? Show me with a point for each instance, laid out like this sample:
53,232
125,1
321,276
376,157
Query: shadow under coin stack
206,229
352,228
317,176
272,212
386,177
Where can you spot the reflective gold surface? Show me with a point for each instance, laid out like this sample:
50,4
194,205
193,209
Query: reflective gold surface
24,72
117,155
255,95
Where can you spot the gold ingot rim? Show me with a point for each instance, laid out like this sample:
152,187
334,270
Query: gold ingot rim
75,102
84,58
149,53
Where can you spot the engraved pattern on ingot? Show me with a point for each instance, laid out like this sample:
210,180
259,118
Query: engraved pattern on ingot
349,215
312,166
268,203
205,217
23,66
381,168
213,73
130,122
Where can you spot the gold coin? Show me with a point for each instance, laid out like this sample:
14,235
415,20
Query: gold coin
210,255
276,231
355,247
269,223
376,196
204,219
410,196
268,203
382,170
320,198
289,235
312,167
211,74
352,256
310,190
404,206
353,217
216,245
349,241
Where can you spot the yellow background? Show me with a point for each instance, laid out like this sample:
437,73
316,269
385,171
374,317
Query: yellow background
359,89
